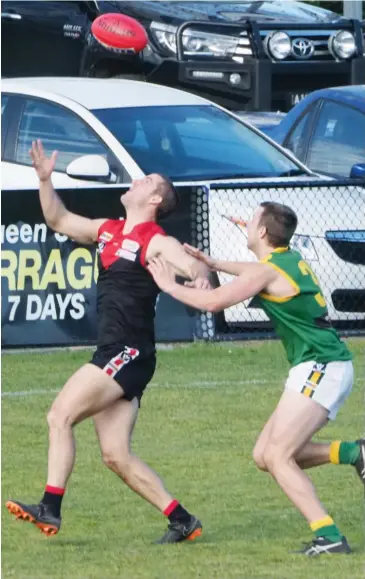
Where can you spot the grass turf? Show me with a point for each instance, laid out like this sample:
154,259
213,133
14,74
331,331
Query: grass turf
197,427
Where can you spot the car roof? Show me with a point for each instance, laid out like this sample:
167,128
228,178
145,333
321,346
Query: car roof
353,95
96,93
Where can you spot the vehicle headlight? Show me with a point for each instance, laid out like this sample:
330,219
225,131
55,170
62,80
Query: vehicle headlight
305,246
164,35
279,45
342,45
194,41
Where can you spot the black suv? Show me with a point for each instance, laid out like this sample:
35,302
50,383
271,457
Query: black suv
243,55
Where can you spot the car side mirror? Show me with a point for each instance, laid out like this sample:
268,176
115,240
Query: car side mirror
90,168
358,171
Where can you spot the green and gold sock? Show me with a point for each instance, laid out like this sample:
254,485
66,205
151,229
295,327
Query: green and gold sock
344,452
326,528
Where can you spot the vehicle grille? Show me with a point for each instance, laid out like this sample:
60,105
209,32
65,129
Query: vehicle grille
349,300
348,245
318,37
320,40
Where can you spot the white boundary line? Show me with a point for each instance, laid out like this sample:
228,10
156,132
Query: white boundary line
202,384
27,393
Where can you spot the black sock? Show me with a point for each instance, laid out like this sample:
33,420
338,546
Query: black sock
53,499
179,514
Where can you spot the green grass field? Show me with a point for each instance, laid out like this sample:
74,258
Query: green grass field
197,427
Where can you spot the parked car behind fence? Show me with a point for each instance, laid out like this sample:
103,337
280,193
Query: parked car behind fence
223,167
326,131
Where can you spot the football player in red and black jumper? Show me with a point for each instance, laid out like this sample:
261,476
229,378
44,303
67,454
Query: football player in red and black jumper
110,387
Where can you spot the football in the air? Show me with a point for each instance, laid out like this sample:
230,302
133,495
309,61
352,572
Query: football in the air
119,33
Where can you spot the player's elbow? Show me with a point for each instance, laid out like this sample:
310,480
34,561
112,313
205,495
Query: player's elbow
199,270
194,269
52,223
58,220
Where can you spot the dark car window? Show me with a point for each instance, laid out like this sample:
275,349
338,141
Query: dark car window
59,129
4,102
194,142
338,140
296,140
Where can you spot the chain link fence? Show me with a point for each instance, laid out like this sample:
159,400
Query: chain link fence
48,281
330,236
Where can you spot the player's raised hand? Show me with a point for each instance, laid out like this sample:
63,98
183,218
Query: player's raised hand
162,273
43,165
200,255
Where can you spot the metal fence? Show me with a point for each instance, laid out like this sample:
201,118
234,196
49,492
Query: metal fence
49,282
330,236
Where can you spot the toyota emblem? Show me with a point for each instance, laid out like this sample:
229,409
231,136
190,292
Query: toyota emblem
302,48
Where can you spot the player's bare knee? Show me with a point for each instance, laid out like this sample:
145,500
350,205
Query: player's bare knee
275,456
259,458
59,418
118,461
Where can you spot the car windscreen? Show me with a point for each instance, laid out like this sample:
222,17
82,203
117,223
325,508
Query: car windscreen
194,142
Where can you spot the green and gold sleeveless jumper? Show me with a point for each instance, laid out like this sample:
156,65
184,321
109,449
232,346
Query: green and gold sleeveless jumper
301,321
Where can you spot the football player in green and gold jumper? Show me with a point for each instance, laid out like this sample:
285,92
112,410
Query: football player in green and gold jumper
321,374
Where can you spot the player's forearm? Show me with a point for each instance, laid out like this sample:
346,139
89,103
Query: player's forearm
231,267
196,298
52,206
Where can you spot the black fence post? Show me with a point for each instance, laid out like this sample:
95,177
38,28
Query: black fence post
205,322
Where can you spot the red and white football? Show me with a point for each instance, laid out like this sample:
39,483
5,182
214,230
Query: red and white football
119,33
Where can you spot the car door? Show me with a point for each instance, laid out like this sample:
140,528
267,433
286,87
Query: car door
42,38
59,129
338,139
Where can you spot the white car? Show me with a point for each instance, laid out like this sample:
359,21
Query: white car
136,127
114,131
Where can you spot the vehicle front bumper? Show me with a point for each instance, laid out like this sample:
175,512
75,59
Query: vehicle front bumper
264,85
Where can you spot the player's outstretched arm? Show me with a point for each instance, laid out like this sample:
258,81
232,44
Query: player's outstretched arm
57,217
231,267
252,282
184,264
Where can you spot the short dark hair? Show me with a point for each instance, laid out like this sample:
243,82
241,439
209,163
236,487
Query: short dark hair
170,198
280,222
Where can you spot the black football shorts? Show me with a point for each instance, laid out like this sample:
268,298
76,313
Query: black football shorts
130,367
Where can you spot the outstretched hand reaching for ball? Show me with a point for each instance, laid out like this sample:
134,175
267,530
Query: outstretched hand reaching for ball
43,165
